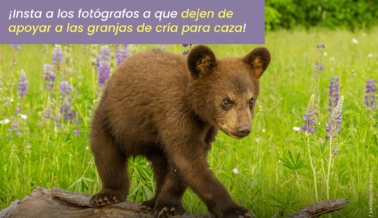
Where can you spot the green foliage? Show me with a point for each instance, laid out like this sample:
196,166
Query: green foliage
332,14
286,201
292,163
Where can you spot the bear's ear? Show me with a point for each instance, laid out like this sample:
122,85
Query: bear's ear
258,60
201,61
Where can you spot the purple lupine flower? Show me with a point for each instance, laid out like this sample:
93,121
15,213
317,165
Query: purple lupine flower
309,118
66,111
65,88
121,53
104,72
187,51
335,151
57,58
14,61
333,93
370,98
70,114
98,58
48,113
22,84
335,119
103,67
105,52
16,46
77,132
49,77
57,118
14,128
319,67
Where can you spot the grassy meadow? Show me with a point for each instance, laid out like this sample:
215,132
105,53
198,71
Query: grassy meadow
257,170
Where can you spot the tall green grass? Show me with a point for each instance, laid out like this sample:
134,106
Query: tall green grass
47,156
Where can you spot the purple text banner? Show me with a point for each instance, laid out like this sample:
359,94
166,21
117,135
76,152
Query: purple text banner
137,22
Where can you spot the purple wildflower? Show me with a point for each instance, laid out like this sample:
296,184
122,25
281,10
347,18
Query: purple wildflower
48,112
104,72
309,118
57,58
14,61
335,151
65,88
187,51
333,93
16,46
14,127
57,120
66,111
121,53
49,76
319,67
335,119
103,66
70,115
105,52
22,84
77,131
370,98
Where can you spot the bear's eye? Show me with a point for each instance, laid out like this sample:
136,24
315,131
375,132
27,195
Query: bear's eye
251,103
226,102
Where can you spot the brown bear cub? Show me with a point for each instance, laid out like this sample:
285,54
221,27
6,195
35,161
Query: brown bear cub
168,108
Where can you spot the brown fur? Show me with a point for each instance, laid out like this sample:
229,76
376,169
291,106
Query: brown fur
169,108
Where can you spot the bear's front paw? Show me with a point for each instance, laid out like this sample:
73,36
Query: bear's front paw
168,210
108,196
235,211
148,206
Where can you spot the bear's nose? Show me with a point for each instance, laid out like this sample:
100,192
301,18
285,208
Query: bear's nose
244,130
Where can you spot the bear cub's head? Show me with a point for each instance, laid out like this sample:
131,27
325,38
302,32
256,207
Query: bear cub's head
224,91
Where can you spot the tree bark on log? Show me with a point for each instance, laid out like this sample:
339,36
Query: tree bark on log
59,203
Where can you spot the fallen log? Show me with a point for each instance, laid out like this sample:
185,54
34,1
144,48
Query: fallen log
59,203
318,209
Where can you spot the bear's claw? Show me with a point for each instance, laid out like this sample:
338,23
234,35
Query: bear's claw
162,213
249,214
166,212
106,197
146,209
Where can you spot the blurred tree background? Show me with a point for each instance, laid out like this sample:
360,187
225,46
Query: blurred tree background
332,14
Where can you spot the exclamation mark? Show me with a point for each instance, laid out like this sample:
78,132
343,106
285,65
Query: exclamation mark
245,25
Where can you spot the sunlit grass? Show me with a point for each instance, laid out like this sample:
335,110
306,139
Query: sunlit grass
51,157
